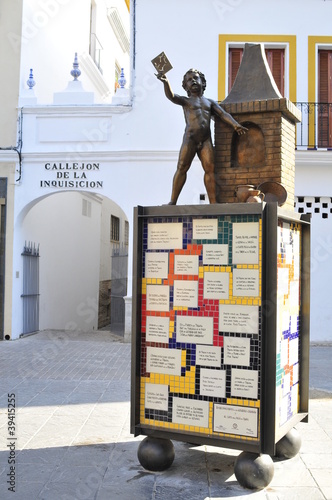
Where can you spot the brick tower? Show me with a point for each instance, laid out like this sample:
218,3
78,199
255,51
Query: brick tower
267,151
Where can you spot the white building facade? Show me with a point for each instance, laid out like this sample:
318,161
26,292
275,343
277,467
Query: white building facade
78,142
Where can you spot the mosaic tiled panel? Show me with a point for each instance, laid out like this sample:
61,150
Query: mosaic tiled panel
288,321
201,325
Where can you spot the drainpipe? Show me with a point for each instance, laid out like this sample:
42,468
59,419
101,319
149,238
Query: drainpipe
17,148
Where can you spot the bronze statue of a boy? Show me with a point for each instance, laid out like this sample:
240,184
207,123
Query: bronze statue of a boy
198,111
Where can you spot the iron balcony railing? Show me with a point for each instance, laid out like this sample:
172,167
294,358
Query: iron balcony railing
315,129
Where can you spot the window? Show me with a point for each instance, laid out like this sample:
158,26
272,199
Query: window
86,208
95,45
324,98
275,59
235,58
126,233
115,229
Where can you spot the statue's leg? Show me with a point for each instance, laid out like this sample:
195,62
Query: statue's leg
186,156
206,155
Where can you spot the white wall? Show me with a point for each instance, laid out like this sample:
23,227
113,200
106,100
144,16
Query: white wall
321,275
314,180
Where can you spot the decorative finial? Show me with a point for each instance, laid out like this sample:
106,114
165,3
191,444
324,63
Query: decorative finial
122,81
30,82
75,72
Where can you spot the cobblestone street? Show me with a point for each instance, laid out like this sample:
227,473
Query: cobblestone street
72,437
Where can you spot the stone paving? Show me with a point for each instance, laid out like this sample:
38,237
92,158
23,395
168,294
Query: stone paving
72,439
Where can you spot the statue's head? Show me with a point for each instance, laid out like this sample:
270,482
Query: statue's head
200,80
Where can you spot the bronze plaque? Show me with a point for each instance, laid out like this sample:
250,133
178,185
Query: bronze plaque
161,63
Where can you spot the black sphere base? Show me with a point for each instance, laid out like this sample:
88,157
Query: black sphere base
289,445
156,454
254,471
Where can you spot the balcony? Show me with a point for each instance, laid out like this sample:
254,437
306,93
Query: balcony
315,130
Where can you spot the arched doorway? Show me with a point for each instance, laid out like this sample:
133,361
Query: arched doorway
76,237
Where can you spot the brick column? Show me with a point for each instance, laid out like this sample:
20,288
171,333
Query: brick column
265,153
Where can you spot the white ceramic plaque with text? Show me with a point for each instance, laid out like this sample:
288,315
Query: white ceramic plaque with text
246,243
185,293
245,283
212,383
238,318
194,329
157,329
216,285
205,229
208,355
166,236
156,396
244,383
156,265
163,360
215,255
157,298
190,412
235,420
186,264
236,351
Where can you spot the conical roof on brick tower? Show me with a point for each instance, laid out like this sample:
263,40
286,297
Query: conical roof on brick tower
254,80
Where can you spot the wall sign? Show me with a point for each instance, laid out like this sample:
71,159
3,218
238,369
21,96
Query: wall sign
77,175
